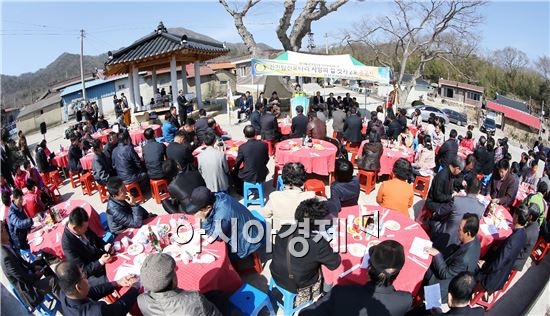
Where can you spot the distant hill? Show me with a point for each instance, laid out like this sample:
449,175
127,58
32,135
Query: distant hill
21,90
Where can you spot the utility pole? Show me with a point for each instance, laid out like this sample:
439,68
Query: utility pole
82,64
326,43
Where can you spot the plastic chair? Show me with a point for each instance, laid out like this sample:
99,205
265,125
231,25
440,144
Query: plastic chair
485,182
270,146
488,299
288,299
138,197
42,309
103,194
248,187
316,186
54,178
108,237
425,182
541,246
280,184
276,177
249,301
74,177
27,255
159,189
367,180
87,183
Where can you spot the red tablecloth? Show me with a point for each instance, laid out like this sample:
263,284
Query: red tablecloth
286,129
487,240
203,277
230,153
52,239
463,152
61,159
102,135
412,128
136,134
314,160
389,157
410,277
87,160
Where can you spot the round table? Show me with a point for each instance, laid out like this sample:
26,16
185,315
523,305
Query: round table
231,151
389,157
410,277
136,134
286,129
486,239
87,160
203,277
319,161
463,152
102,135
52,239
61,159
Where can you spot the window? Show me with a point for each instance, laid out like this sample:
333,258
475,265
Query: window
449,93
121,86
223,81
473,96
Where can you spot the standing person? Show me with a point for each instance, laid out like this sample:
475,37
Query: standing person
396,194
448,150
255,118
269,125
75,153
316,128
212,165
254,155
102,170
154,154
169,130
182,106
261,100
348,102
485,159
417,118
352,127
299,123
19,223
331,104
125,110
338,121
24,148
6,164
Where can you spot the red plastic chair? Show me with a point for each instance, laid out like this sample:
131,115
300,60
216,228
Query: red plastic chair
159,189
103,194
540,250
138,197
277,169
256,266
74,177
270,146
316,186
425,182
488,299
87,184
367,180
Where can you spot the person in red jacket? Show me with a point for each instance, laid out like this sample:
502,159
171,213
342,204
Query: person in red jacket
20,177
31,199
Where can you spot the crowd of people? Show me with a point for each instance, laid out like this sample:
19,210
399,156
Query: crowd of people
204,188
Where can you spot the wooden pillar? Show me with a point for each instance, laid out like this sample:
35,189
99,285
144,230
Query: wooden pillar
131,86
184,78
137,94
198,84
174,80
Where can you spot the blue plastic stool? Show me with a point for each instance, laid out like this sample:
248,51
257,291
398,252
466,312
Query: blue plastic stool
42,309
280,184
108,237
249,301
160,139
288,299
248,187
27,255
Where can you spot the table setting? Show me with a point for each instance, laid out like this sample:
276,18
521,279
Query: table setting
317,156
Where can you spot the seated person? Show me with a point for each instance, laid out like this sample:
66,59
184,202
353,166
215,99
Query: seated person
316,128
122,212
169,130
444,231
440,197
127,162
189,134
19,223
539,199
369,159
378,296
79,298
468,141
75,153
42,158
213,166
181,152
102,123
254,155
26,278
101,169
424,160
162,295
182,184
33,173
467,173
154,153
303,276
406,138
502,185
221,207
344,191
499,262
32,202
83,247
6,200
20,177
460,293
281,206
201,125
396,194
531,234
463,258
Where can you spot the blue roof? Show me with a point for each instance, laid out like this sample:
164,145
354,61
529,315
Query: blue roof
96,82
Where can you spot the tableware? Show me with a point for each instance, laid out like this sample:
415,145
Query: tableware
357,250
350,270
206,258
172,250
165,227
37,241
125,241
420,263
373,243
392,225
117,245
39,233
139,259
135,249
186,257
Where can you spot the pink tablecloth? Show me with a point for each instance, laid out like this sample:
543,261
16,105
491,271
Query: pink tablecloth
230,153
410,277
389,157
136,134
203,277
487,240
87,160
286,129
463,152
61,159
314,160
52,239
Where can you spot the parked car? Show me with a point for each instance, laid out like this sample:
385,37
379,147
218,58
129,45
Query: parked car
456,117
489,126
425,111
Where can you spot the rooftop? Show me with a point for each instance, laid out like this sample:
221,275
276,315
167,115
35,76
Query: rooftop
518,105
28,109
465,86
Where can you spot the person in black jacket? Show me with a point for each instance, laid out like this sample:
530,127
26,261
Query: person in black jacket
75,153
6,164
460,293
101,169
485,156
255,117
122,212
372,152
269,128
180,151
353,126
189,133
394,127
377,297
154,153
440,196
112,143
26,278
305,269
42,160
299,123
345,189
502,186
255,157
83,247
500,261
182,107
127,163
182,183
174,117
531,233
201,125
79,298
448,150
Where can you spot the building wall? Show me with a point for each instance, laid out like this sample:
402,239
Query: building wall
31,122
459,95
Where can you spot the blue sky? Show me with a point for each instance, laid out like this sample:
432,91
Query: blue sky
33,34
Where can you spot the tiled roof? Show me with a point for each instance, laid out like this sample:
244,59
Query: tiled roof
31,108
189,69
518,105
465,86
515,114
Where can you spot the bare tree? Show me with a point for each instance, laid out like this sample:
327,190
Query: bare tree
313,10
511,60
418,32
543,66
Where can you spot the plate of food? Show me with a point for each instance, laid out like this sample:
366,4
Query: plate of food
139,259
318,147
207,258
392,225
37,241
357,250
172,250
134,249
165,227
373,243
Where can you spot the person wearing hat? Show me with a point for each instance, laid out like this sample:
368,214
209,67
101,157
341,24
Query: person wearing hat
378,296
220,211
163,297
